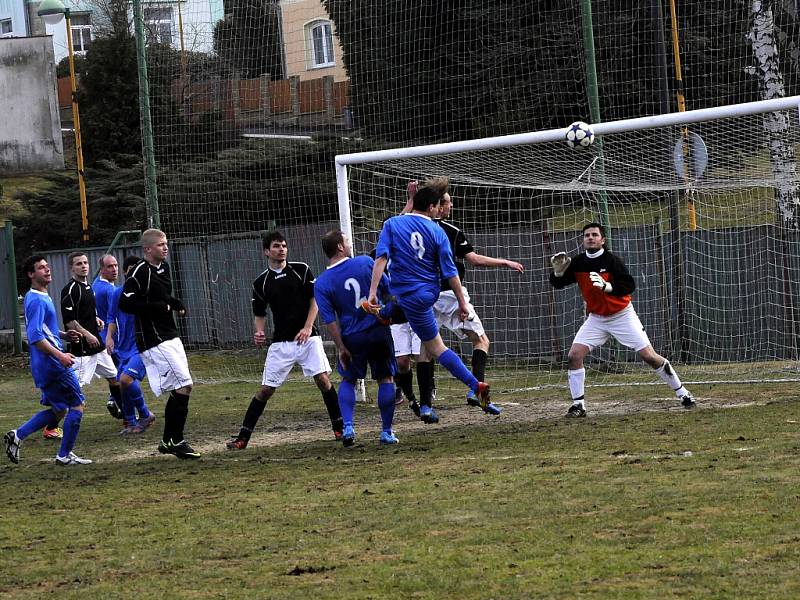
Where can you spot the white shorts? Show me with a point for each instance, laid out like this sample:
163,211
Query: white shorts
97,365
406,342
167,366
282,356
446,312
624,326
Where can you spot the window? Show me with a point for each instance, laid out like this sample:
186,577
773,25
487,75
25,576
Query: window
6,28
81,28
158,25
321,44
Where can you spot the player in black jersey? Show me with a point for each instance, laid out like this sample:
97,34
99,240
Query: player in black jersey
446,308
287,288
79,313
147,294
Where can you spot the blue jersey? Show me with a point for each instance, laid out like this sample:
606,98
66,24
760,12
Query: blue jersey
41,323
419,251
126,327
341,289
103,290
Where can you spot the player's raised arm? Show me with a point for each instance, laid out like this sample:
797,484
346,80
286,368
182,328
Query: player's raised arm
479,260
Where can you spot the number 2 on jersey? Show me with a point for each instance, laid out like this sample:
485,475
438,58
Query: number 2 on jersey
418,244
352,284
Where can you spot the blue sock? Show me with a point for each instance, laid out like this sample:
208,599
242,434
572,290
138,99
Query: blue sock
347,402
35,423
128,406
386,404
137,397
452,363
72,424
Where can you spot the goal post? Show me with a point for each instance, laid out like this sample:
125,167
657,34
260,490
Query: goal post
525,196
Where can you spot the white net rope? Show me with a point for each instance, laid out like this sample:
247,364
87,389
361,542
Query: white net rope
719,299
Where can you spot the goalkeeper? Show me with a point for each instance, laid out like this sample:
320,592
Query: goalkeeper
606,286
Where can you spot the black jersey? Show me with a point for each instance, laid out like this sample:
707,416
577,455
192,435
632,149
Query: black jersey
460,246
77,304
147,294
611,268
288,293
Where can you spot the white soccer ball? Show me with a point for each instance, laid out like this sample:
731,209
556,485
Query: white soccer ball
579,135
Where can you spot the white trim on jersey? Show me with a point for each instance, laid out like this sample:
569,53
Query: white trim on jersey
624,326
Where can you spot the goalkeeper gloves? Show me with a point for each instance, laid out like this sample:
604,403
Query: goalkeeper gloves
599,282
560,263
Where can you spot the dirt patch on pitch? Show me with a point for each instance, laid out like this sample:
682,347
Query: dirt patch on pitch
451,416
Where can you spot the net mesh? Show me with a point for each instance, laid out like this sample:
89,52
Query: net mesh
252,99
718,298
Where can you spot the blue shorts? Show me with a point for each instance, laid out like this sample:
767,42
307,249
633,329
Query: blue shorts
373,347
63,393
418,308
133,367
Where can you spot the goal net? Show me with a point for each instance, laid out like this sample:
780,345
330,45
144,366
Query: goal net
704,216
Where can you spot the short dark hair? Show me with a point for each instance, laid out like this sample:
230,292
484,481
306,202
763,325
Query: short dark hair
129,262
592,225
331,241
29,266
73,255
427,197
272,236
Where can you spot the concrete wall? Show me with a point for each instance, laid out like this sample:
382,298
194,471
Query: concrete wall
30,130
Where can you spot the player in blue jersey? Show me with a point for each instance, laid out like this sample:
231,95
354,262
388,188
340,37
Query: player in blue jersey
359,336
121,340
421,258
103,287
51,368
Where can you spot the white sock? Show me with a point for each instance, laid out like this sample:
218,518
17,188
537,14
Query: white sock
575,378
670,377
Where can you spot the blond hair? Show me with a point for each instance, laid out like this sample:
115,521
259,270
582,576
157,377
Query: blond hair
151,236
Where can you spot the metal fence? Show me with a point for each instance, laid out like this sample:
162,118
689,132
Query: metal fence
738,300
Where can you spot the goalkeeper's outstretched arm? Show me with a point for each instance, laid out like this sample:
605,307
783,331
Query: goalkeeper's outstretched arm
562,274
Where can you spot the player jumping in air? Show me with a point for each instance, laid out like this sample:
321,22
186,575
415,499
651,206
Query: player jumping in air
606,286
421,258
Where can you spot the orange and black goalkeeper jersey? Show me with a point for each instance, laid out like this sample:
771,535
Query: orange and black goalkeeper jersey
612,269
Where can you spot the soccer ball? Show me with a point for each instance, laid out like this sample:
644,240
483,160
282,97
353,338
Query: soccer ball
579,135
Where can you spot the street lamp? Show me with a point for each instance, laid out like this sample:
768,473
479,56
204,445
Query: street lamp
52,11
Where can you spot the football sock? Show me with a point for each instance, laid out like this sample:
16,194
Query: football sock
670,377
175,414
386,404
136,396
37,422
128,406
424,370
576,379
347,401
452,363
251,417
53,422
116,393
405,381
72,425
332,404
479,358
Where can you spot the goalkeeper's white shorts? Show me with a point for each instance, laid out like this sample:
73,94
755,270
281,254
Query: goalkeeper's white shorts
447,315
624,326
406,342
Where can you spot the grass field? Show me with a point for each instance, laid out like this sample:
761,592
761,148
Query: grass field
640,500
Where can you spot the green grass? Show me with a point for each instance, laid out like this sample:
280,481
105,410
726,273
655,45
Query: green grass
661,504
